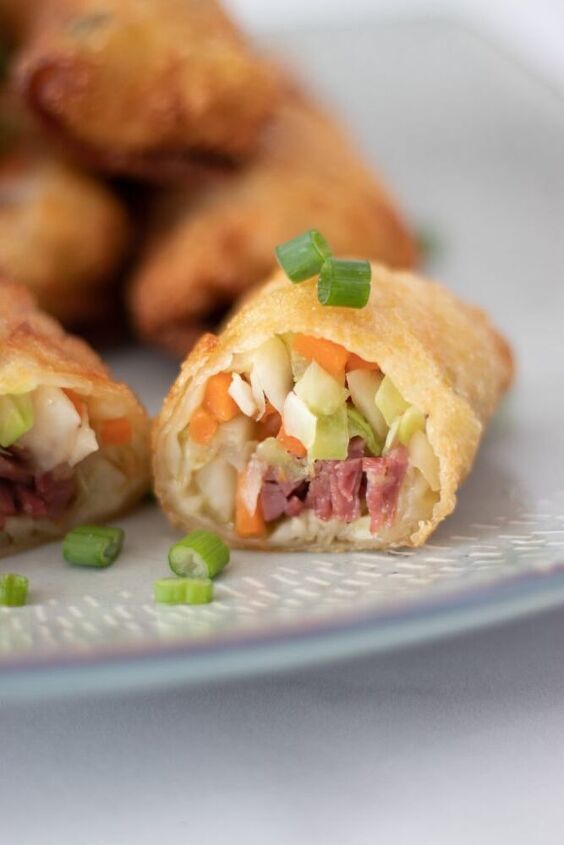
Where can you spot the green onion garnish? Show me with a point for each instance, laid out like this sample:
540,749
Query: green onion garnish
184,590
93,545
13,590
200,554
345,283
303,256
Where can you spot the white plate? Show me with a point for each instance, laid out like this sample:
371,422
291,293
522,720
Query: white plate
474,146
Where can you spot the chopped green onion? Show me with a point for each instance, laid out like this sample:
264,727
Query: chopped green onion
302,257
13,590
93,545
200,554
344,283
183,590
16,417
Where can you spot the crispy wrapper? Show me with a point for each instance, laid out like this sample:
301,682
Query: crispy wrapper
36,352
443,355
213,246
144,87
62,234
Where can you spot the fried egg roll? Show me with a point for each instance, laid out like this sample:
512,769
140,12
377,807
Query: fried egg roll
307,427
143,87
63,234
73,442
214,246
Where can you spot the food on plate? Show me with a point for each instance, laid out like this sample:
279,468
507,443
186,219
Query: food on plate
215,245
73,442
144,87
308,426
62,234
200,554
183,590
93,545
13,589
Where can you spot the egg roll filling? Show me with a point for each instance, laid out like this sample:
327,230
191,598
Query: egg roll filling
60,452
302,439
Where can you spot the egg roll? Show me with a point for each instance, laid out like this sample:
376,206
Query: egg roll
63,234
308,427
144,87
212,246
73,442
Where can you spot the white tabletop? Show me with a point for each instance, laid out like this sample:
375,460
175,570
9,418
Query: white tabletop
457,743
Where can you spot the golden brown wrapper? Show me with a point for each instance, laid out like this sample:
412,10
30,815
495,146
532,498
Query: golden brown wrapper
63,234
443,355
36,351
144,87
215,245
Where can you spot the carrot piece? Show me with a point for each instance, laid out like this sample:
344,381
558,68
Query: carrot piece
247,524
355,362
217,400
268,426
331,356
269,409
116,432
202,426
291,444
79,404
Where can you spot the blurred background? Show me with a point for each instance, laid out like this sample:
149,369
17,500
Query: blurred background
533,30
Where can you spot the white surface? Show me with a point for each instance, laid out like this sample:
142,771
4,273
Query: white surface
531,30
458,744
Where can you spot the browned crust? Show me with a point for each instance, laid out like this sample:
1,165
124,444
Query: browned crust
145,89
221,241
35,350
444,356
62,234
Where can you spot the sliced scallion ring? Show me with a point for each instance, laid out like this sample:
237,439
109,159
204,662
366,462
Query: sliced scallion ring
183,590
344,283
13,589
303,256
200,554
93,545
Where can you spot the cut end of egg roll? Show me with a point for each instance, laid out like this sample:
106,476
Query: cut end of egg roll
219,242
73,442
327,428
145,88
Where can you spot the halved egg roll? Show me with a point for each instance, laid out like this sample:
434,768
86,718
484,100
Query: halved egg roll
310,427
214,245
73,442
144,87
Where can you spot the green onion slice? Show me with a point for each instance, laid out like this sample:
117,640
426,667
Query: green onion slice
303,256
183,590
93,545
344,283
13,590
200,554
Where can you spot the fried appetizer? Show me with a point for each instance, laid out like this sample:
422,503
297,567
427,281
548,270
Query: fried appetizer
217,245
144,87
304,426
62,234
73,442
